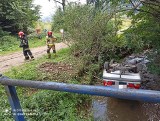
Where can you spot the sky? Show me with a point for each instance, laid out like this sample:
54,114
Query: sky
49,8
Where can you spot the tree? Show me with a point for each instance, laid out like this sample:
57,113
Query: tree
145,16
92,35
62,2
94,32
18,15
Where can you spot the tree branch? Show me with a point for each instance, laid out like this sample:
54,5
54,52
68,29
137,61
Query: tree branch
135,6
155,3
57,1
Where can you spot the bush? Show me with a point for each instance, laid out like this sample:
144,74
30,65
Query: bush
55,106
93,34
3,33
8,43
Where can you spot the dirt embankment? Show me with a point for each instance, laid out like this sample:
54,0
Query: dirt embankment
58,71
150,81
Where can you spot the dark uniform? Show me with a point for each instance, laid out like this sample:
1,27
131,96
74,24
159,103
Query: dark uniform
26,51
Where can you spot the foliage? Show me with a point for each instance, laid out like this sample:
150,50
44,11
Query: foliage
17,15
3,33
145,29
53,105
145,26
57,20
93,35
145,16
5,109
62,2
10,44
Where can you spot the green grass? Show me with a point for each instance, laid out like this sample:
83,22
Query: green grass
10,44
48,105
28,71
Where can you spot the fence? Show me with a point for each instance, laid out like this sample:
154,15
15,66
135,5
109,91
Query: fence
130,94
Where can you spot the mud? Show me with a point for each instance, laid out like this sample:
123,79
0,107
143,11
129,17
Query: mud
58,71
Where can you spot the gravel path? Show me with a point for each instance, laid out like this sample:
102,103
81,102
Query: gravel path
17,58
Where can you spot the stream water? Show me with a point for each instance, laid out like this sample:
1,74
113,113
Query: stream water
111,109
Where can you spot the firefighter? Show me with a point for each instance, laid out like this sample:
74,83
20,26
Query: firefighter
24,44
50,42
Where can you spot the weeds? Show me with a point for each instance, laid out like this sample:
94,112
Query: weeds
42,104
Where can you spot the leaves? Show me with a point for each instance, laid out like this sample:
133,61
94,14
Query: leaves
18,15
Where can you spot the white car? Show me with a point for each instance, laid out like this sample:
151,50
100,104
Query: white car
117,80
121,76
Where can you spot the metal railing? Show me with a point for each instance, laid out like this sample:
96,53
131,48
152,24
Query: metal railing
130,94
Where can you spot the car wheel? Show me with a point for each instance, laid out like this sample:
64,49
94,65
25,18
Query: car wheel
140,67
106,66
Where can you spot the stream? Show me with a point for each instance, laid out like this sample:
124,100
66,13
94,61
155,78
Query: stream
112,109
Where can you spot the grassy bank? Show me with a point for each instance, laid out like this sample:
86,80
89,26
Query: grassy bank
43,104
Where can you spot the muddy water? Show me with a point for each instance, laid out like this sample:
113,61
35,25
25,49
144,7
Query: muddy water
99,110
111,109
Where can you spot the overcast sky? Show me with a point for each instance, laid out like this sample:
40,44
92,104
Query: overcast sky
49,8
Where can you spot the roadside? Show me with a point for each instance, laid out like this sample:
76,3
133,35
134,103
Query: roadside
65,107
104,107
17,58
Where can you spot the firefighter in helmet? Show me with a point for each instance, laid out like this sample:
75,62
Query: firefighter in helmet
50,42
24,44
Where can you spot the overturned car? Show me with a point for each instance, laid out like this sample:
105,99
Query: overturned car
126,74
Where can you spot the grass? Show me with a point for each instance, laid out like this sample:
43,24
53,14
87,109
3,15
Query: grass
10,44
45,105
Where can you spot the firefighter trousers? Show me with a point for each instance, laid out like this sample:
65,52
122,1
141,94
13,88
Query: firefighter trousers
27,53
49,47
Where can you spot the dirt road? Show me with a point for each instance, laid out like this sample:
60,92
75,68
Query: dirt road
17,58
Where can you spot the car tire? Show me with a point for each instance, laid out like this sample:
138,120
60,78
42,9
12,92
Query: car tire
140,67
106,66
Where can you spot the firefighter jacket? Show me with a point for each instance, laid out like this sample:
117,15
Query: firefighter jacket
50,40
24,42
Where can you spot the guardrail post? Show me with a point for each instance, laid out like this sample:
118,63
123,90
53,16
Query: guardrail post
14,102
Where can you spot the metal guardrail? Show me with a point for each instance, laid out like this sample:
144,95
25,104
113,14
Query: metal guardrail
130,94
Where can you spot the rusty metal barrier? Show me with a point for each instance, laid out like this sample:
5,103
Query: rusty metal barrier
129,94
